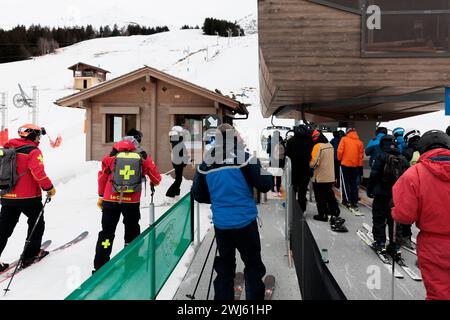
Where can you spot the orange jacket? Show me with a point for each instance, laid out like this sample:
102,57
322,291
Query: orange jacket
351,150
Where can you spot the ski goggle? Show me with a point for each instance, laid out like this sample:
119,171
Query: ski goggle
23,131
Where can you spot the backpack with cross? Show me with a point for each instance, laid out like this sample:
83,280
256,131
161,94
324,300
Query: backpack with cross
127,175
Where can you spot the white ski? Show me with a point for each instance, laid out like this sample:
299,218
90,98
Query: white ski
386,262
400,262
369,229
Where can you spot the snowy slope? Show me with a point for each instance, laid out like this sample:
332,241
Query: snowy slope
230,65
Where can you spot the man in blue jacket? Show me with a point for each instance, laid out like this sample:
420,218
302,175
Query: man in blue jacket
373,148
226,179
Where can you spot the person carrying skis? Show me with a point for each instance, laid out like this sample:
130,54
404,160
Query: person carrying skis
119,190
373,148
179,160
298,149
25,196
351,155
387,168
322,162
226,179
421,196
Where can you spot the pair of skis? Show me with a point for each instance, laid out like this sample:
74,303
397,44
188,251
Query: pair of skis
8,273
413,240
367,238
239,281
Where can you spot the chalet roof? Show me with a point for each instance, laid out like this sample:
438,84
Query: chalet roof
75,66
74,99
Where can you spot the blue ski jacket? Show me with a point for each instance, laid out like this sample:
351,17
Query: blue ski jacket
373,148
226,179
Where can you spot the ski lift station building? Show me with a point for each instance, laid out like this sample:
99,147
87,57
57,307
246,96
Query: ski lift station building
152,102
353,62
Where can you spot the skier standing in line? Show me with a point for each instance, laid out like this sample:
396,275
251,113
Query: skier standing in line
351,155
398,134
119,189
381,181
179,160
226,179
373,148
298,149
322,162
26,196
422,196
337,164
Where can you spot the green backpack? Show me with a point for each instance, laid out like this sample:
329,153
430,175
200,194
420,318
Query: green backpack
127,175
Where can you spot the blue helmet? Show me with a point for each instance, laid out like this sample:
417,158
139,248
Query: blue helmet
398,132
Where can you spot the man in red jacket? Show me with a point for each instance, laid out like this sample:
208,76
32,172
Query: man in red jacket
26,196
113,203
422,195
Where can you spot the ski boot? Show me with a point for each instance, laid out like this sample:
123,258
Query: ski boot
29,261
3,266
394,251
379,247
406,242
337,224
319,217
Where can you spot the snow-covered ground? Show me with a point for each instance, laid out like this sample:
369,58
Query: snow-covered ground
230,65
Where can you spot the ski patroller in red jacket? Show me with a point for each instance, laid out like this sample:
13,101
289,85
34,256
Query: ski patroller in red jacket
105,176
422,195
30,167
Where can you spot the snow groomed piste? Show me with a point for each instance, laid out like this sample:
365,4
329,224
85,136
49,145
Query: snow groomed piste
141,269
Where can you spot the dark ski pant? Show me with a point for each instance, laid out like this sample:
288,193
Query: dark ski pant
337,173
381,216
351,186
174,189
110,218
9,217
302,189
246,241
325,199
277,184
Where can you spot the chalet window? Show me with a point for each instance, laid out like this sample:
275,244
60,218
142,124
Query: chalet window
408,28
117,125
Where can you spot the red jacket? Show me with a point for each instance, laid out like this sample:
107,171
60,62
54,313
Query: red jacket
105,188
31,165
422,195
351,151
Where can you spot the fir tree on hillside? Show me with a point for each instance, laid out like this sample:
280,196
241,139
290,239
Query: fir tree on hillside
213,26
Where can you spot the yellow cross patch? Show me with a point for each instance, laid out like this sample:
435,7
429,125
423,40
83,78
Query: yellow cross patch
41,159
106,244
127,172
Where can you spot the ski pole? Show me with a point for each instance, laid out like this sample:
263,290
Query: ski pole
192,296
210,278
394,240
27,243
152,205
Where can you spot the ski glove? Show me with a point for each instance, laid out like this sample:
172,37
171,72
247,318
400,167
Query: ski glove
51,193
100,203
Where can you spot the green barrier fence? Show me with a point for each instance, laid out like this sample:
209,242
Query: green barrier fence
141,269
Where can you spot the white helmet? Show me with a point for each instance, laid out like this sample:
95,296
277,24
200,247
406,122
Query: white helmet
411,133
176,131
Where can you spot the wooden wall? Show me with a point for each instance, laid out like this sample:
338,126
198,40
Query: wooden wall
311,53
144,93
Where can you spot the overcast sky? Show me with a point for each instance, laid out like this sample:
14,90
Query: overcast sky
98,12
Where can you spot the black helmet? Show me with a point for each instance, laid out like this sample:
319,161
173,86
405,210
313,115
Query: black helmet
302,131
382,130
388,139
448,131
135,133
432,140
